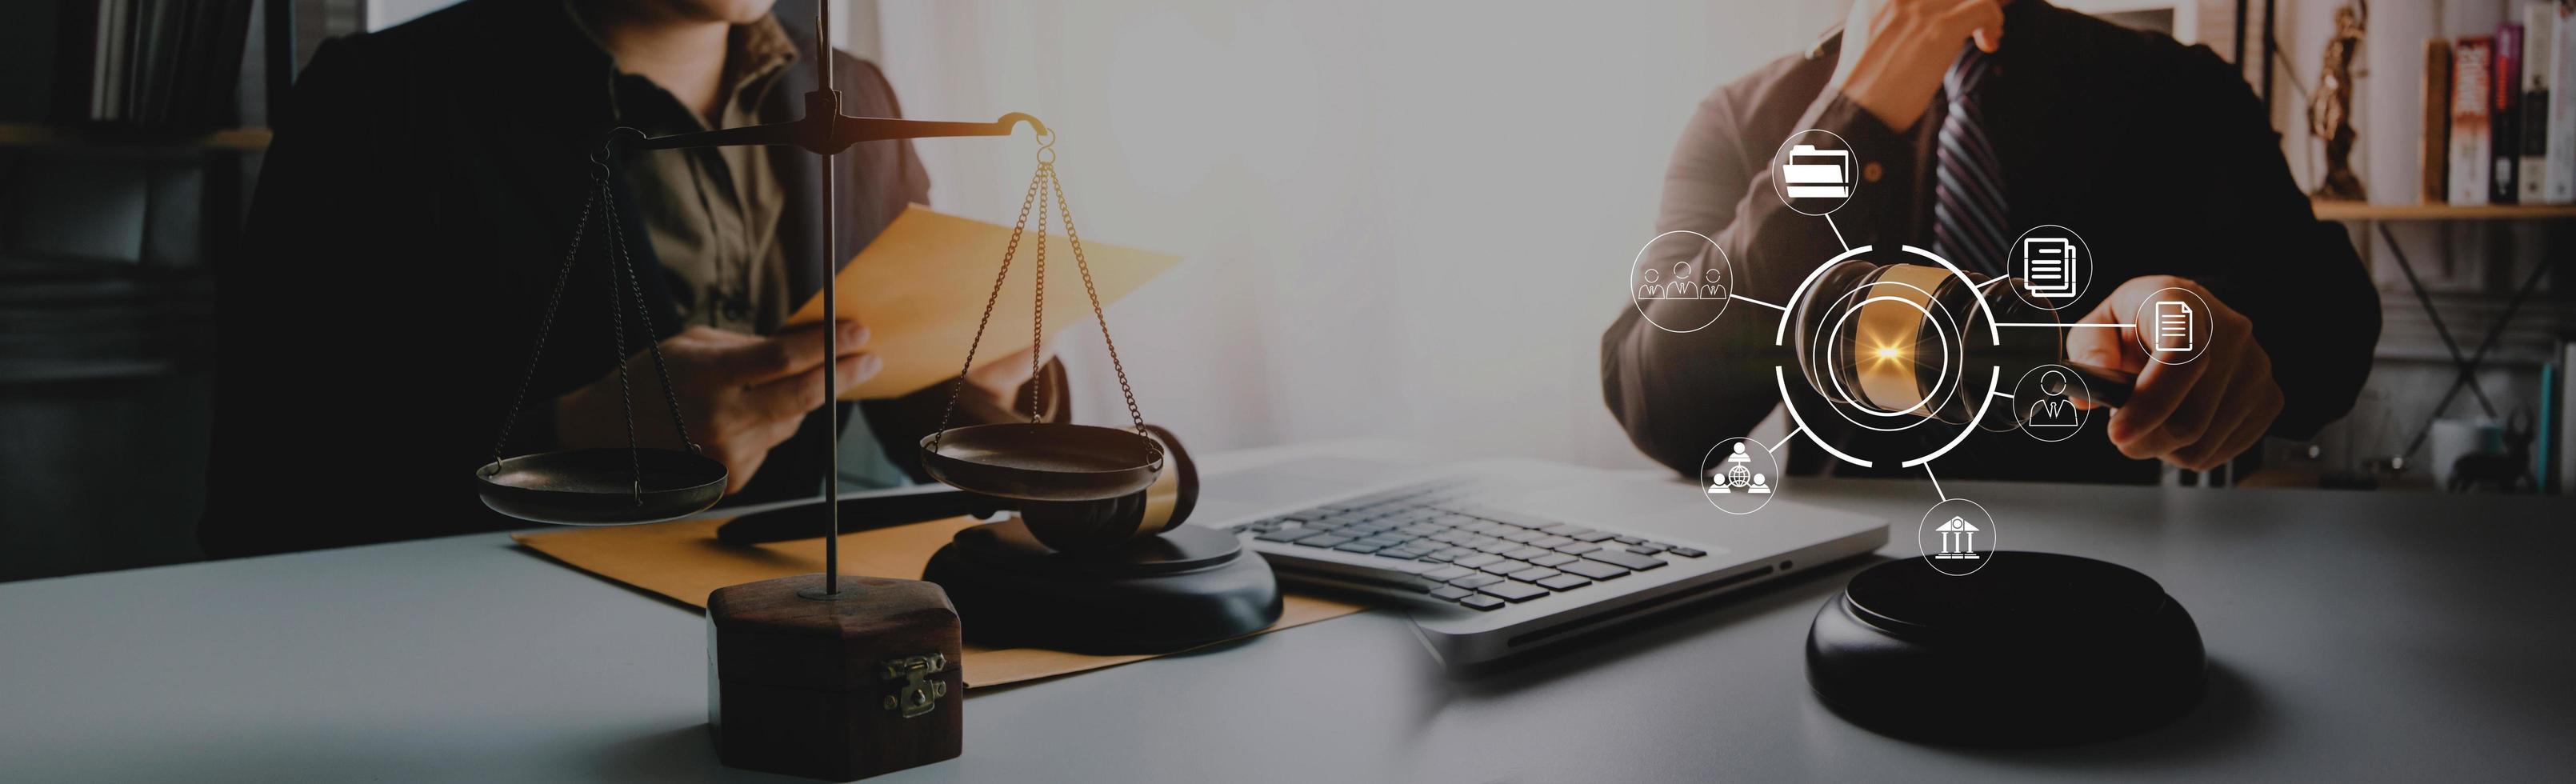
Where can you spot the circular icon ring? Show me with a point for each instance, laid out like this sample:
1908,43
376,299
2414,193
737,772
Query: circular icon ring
1695,290
2044,408
2173,326
2056,266
1957,537
1815,178
1740,476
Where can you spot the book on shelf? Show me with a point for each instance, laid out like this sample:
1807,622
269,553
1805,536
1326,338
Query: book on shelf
2470,61
2504,115
151,65
2539,54
2565,435
2558,183
2433,147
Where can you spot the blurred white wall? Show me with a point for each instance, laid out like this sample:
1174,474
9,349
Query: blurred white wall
1401,219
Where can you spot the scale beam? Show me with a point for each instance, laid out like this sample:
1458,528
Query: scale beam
832,134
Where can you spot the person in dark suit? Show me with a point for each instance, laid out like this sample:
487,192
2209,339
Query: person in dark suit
409,224
1973,120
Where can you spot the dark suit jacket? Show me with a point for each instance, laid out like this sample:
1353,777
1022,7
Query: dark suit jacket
410,221
2158,154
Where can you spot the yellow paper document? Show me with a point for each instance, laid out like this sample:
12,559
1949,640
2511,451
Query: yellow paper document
921,285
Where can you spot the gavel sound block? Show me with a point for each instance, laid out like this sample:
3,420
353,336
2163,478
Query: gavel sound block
844,688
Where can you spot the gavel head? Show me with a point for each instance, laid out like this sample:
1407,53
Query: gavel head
1902,340
1080,526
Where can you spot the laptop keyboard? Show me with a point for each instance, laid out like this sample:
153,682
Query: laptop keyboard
1474,556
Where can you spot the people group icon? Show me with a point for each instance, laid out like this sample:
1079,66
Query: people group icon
2052,409
1682,283
1738,476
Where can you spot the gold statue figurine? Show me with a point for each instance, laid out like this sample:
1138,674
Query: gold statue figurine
2330,108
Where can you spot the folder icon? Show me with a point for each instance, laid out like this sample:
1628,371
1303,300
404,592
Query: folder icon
1814,173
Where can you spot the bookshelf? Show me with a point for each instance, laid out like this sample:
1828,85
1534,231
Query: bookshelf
2367,212
22,134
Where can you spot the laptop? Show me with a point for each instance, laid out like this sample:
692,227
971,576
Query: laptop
1499,557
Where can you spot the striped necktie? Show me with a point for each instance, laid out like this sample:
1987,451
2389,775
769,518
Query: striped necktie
1968,193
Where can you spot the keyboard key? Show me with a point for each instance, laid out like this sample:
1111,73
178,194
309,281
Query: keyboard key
1474,561
1532,574
1629,540
1595,570
1451,592
1552,559
1482,602
1562,582
1551,541
1645,549
1686,552
1475,581
1503,567
1577,548
1406,553
1592,536
1447,573
1627,559
1452,537
1329,540
1517,592
1566,529
1288,534
1454,553
1359,547
1442,556
1523,537
1526,553
1499,546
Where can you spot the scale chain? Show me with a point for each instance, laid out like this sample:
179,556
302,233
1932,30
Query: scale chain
1047,170
617,331
1007,252
1037,308
545,326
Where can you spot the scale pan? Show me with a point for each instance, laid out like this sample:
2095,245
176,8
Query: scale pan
597,486
1043,461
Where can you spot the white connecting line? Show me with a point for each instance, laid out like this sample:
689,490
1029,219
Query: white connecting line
1784,440
2055,324
1936,481
1757,302
1838,231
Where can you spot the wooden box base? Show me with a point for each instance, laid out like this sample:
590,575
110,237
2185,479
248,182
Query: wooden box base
838,689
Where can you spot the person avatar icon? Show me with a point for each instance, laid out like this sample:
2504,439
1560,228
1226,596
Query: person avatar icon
2052,409
1717,484
1715,287
1739,456
1760,484
1680,286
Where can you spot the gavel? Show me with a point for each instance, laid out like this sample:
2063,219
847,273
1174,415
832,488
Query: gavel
1066,526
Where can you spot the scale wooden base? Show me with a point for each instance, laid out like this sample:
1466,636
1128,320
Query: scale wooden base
840,686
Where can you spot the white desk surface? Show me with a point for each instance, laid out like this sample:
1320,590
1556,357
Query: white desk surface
2353,637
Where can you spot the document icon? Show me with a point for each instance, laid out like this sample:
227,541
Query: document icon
2048,263
2173,326
1817,174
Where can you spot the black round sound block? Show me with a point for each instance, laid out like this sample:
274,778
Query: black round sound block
1188,586
2033,649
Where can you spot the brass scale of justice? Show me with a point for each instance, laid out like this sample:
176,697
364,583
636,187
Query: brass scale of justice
1095,561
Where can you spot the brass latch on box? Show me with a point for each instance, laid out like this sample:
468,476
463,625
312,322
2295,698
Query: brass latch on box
919,694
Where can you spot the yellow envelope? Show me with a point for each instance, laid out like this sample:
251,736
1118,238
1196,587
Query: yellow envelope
921,285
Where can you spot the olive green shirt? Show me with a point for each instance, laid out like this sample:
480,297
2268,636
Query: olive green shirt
712,212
